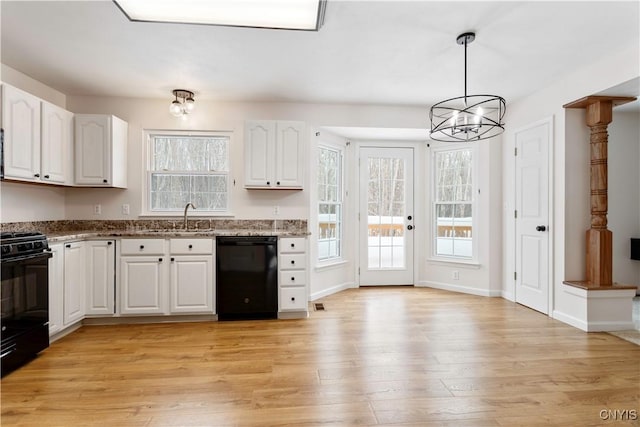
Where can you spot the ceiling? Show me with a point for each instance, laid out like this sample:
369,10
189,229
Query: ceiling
373,52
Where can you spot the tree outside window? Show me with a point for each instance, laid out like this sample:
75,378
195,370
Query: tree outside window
329,203
188,169
453,203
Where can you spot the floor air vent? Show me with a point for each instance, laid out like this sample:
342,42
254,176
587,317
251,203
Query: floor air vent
318,306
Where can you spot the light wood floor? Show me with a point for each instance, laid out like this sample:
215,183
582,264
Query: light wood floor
376,356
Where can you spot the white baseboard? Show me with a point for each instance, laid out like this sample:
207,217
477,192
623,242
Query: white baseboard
593,326
332,290
460,289
570,320
508,295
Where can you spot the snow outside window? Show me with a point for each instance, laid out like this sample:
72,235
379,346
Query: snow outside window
453,203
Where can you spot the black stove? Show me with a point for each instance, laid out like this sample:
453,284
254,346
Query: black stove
24,301
16,244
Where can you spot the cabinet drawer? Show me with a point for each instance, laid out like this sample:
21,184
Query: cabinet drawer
291,244
293,261
293,277
191,246
293,299
142,247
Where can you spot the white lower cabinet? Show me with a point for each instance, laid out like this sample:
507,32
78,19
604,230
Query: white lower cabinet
162,277
74,282
292,274
192,284
100,256
142,285
191,281
56,288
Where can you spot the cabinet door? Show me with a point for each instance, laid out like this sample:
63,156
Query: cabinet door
92,147
259,149
142,285
289,156
74,282
56,289
21,123
100,280
192,284
57,134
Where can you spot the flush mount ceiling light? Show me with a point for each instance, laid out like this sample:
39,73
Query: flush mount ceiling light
183,104
277,14
469,117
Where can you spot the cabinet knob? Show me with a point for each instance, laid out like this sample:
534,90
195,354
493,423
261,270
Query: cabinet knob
293,298
105,181
278,183
67,246
109,243
293,279
37,175
160,259
190,246
141,246
293,262
268,183
172,259
293,245
46,177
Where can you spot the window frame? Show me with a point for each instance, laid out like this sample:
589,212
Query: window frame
321,262
148,171
434,151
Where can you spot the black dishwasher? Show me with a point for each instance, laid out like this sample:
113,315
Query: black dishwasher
247,277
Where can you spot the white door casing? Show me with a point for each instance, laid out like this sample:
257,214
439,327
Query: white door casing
532,216
386,216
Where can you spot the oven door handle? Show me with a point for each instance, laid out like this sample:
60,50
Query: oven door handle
29,257
11,349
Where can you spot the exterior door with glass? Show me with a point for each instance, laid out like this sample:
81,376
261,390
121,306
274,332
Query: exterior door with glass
386,216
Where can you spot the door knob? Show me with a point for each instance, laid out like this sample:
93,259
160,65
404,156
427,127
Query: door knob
409,227
541,228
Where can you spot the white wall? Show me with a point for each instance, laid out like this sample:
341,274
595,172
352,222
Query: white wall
328,278
624,199
246,204
621,66
484,277
29,202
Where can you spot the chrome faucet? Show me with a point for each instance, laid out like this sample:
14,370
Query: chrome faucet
185,213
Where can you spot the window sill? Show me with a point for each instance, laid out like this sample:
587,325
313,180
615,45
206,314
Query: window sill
454,262
192,214
330,265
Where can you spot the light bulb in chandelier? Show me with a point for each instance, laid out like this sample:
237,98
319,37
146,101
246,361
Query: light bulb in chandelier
175,108
189,104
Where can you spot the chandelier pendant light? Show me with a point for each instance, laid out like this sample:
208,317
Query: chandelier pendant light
183,104
470,117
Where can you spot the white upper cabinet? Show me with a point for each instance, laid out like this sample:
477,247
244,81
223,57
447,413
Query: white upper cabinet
38,138
21,123
274,154
100,151
57,143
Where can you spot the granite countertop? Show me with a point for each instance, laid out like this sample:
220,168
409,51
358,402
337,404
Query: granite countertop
65,236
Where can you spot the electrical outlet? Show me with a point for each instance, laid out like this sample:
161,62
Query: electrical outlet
276,210
455,274
125,209
97,209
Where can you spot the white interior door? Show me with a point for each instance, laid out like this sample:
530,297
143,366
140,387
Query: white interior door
532,217
386,216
